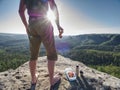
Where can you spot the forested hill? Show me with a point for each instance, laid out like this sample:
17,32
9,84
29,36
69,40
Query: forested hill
101,51
81,41
11,39
103,42
94,41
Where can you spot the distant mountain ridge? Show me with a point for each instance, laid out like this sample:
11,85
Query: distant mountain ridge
109,42
87,39
4,38
96,39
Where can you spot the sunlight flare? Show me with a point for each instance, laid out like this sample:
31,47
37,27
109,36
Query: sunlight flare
51,16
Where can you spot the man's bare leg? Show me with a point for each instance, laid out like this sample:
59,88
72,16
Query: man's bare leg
32,65
53,79
51,65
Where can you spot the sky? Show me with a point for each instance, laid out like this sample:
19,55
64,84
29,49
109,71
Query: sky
76,17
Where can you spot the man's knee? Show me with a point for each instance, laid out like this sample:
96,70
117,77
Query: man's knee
52,57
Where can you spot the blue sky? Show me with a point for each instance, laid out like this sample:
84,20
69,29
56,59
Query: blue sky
7,8
104,11
76,16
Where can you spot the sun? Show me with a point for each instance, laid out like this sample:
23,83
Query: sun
51,16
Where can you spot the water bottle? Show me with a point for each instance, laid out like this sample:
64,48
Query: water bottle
77,70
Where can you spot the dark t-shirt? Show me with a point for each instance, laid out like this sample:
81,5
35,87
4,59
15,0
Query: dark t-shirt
36,6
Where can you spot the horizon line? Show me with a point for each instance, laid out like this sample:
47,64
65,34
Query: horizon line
65,35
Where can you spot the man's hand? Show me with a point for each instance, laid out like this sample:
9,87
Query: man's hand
60,31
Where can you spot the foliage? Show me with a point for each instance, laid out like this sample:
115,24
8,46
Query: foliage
101,51
110,69
11,60
95,57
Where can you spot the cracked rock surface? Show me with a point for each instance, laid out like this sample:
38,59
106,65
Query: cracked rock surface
90,79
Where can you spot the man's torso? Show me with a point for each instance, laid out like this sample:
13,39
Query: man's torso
36,7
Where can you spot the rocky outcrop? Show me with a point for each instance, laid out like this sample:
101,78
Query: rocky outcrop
91,79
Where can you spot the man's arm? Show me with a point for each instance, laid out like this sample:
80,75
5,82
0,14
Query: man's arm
53,7
22,8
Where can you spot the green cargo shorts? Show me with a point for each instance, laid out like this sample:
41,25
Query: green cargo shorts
41,31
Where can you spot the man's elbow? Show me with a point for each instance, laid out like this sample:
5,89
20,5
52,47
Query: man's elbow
53,5
20,12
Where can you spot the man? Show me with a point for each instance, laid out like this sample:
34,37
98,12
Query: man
40,30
